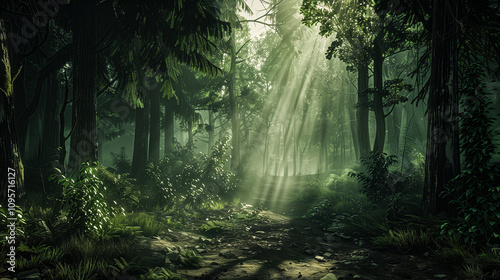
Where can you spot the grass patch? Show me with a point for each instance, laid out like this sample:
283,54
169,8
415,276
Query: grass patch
406,240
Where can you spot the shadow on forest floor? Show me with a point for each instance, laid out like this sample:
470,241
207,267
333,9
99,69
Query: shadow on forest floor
274,246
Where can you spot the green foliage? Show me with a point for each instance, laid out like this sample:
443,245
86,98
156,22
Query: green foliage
42,256
337,194
148,225
370,223
406,240
120,189
84,199
121,162
390,94
215,227
378,184
84,269
475,191
184,178
161,274
189,258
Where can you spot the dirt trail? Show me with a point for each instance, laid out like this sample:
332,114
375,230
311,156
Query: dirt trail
279,247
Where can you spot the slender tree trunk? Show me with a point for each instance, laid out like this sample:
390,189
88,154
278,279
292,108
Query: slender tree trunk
353,124
233,109
190,131
12,173
362,112
50,138
378,107
140,154
211,132
442,161
154,131
83,145
394,127
20,101
169,125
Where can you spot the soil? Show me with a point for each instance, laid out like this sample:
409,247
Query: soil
275,246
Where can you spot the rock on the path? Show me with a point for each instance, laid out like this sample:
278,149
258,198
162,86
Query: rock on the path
329,276
320,259
440,276
356,277
229,255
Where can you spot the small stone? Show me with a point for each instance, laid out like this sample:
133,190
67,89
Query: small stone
327,255
440,276
230,255
310,251
320,259
356,277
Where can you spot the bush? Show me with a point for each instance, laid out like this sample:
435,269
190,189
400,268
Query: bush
184,178
119,188
378,184
84,200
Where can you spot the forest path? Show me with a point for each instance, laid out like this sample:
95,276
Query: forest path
274,246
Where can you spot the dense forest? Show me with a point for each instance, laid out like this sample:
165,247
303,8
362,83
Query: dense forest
249,139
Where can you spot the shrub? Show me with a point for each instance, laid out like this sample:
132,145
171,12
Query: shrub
184,178
119,188
378,184
88,211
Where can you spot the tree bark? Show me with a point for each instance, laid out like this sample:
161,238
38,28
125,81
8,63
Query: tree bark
169,125
154,131
83,145
442,161
50,139
353,125
233,109
378,106
211,132
140,154
10,157
362,112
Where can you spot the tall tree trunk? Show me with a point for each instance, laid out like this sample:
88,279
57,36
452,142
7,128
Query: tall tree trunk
140,154
233,109
154,131
20,101
169,125
378,106
50,138
83,145
190,131
353,124
211,132
442,161
10,156
394,128
362,112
